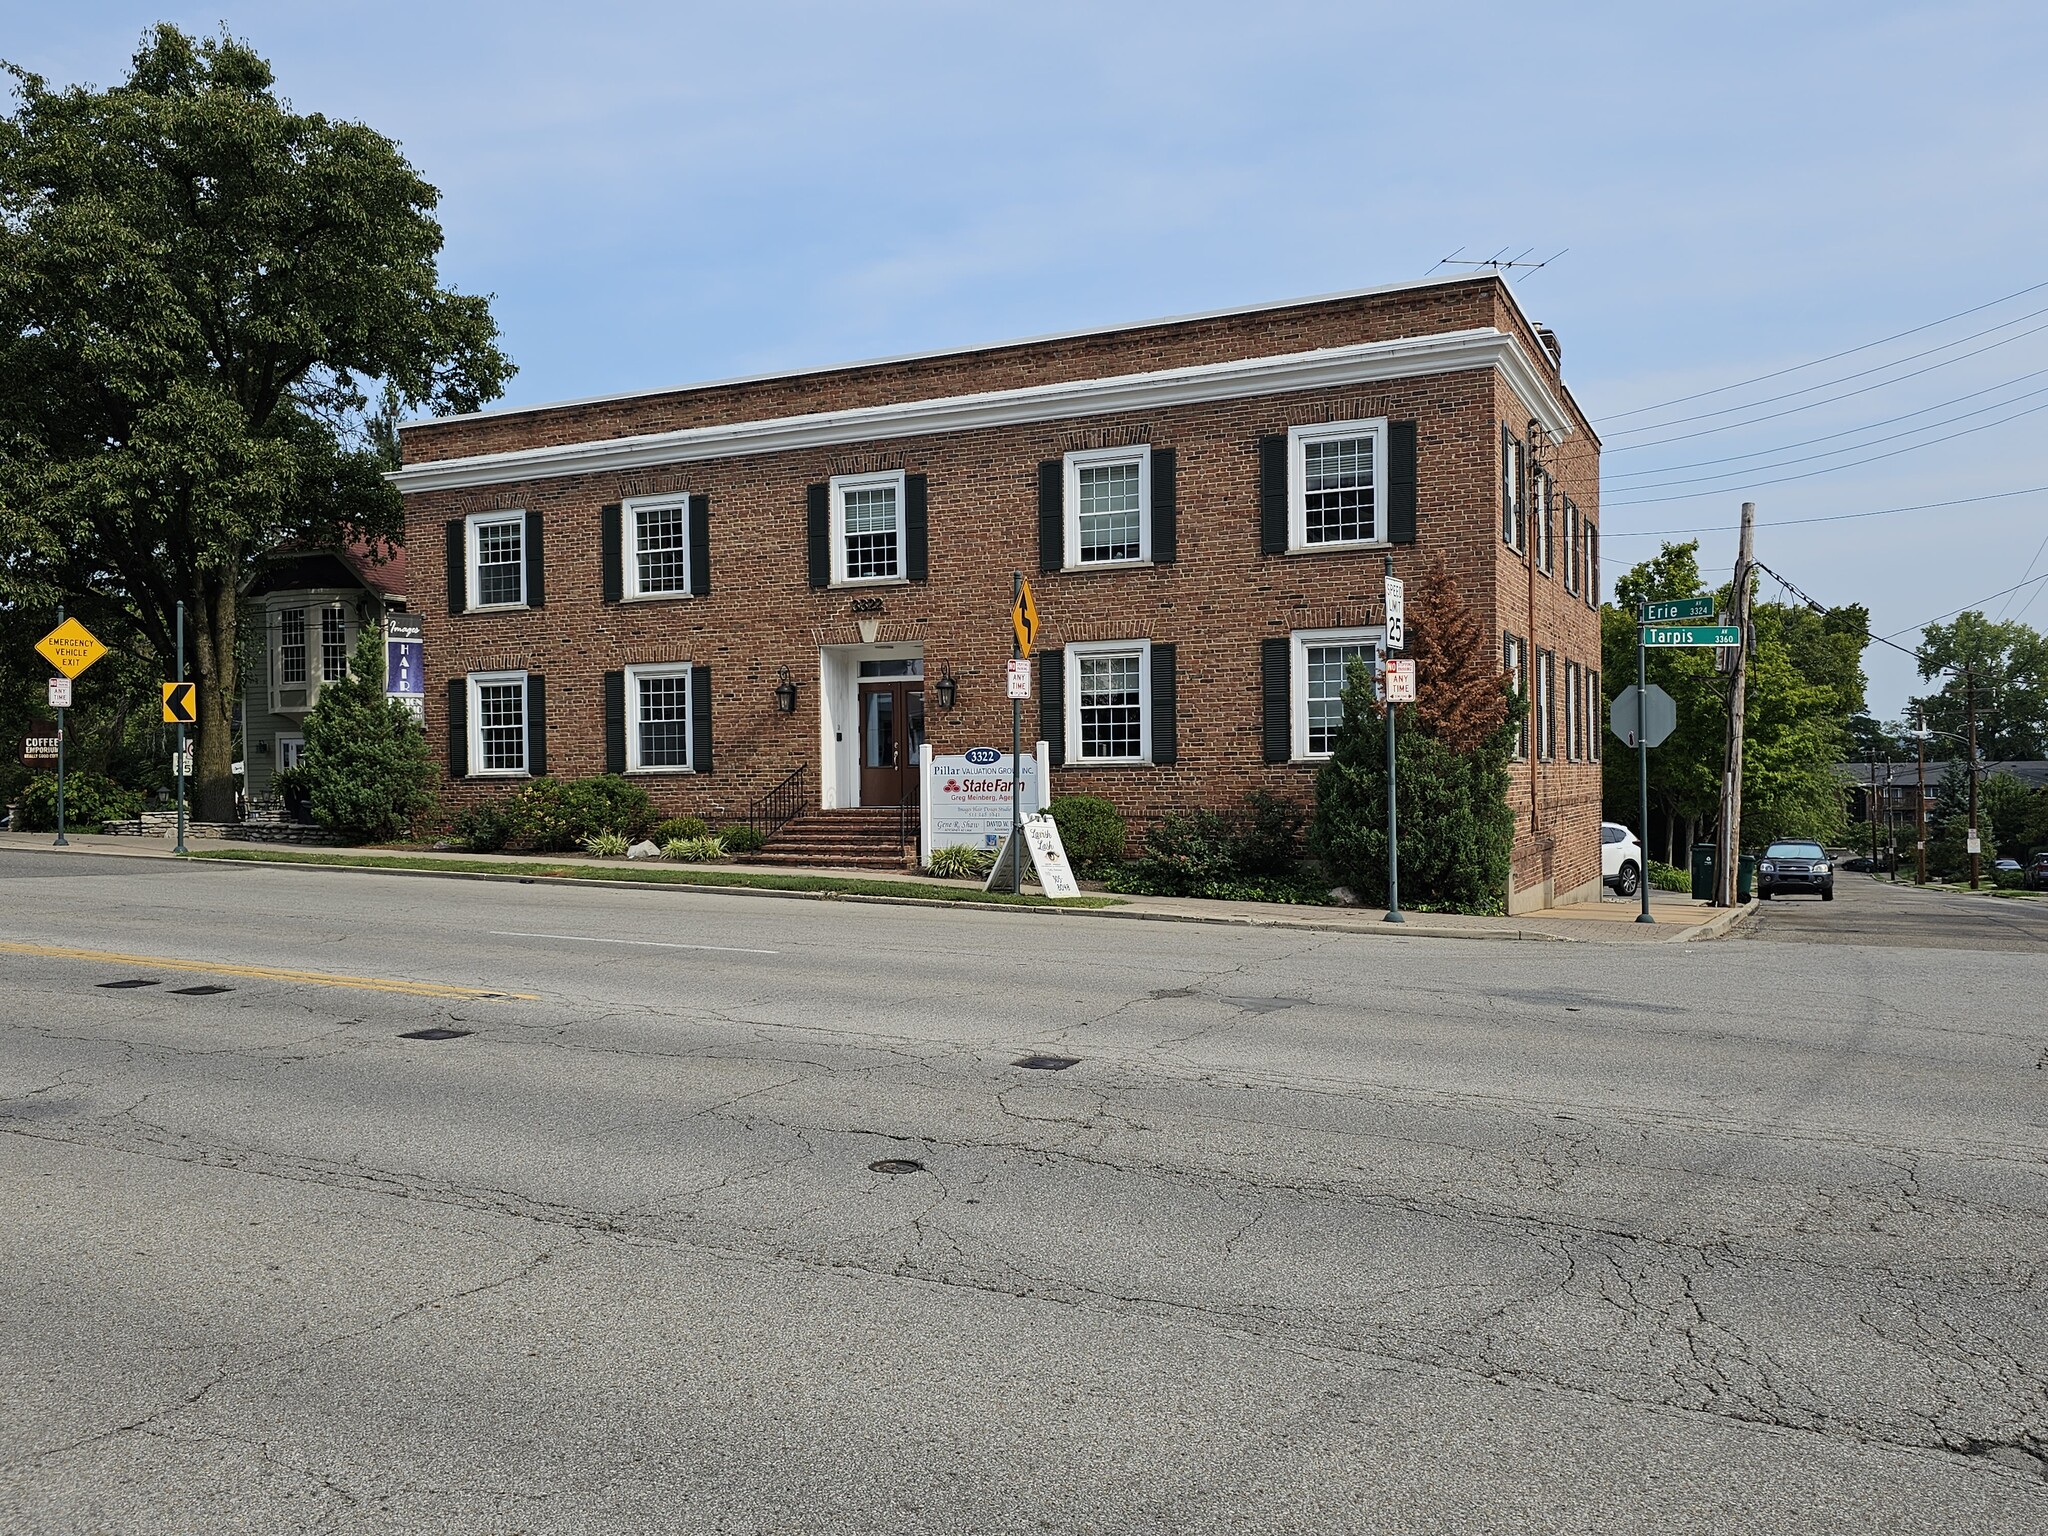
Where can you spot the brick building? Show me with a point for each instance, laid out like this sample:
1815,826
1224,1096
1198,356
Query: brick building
1203,505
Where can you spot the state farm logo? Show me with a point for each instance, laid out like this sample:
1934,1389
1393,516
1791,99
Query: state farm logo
952,786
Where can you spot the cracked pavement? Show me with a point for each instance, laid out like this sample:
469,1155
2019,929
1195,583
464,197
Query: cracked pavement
1321,1233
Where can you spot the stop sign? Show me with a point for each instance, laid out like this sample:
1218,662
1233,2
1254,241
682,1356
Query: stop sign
1659,717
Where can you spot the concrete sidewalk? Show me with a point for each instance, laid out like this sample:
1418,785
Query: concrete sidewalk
1679,919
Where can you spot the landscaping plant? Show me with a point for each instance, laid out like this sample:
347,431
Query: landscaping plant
367,773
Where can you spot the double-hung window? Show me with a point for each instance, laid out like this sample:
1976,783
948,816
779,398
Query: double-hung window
1511,509
1109,507
1543,519
497,723
658,719
1514,664
497,560
867,528
1571,711
1336,485
1546,705
333,645
1572,555
657,536
1592,542
1322,665
1109,693
291,646
1596,710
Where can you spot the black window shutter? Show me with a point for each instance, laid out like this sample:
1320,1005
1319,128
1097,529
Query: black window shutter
1165,514
1401,482
611,551
1276,698
1052,704
536,724
536,572
458,727
917,563
700,719
615,722
818,530
458,564
1273,494
700,546
1052,515
1165,728
1507,486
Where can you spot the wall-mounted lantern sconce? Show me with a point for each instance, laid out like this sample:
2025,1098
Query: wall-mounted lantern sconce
263,749
947,688
785,693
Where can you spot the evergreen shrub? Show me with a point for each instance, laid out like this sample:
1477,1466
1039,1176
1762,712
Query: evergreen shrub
741,838
1092,830
367,775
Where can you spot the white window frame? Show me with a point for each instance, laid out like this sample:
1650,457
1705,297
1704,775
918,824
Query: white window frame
841,484
477,682
1298,439
634,676
473,567
1074,653
1518,674
1301,640
1571,711
1094,458
629,546
1514,511
1546,706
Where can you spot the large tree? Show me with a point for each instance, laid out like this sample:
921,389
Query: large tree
2006,664
209,303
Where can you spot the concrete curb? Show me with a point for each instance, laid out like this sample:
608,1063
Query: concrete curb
1717,925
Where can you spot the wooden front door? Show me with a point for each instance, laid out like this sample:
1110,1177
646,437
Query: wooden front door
891,732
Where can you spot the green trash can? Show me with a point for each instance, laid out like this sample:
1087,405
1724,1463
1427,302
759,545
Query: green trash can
1702,871
1745,877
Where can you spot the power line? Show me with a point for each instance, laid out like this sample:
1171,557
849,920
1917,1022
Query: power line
1814,405
1875,458
1827,437
1967,607
1643,410
1835,517
2029,570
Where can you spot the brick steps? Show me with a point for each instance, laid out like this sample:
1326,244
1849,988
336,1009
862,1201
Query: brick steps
858,839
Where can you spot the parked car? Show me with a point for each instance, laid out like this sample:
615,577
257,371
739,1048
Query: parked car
2037,872
1621,859
1795,866
2006,866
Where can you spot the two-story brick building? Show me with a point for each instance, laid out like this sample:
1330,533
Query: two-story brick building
722,586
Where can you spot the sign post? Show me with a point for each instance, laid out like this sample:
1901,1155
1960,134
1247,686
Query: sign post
1655,629
1024,635
70,648
1643,772
1396,635
184,710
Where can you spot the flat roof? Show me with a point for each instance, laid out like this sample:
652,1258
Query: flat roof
1436,281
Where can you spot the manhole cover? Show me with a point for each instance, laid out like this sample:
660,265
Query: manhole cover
433,1034
1048,1063
897,1165
205,991
132,982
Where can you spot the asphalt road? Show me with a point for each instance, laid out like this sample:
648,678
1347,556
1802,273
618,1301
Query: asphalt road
1869,911
1320,1233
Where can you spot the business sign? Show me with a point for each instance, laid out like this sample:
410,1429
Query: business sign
1048,861
1676,608
1400,680
60,693
968,795
1017,679
39,749
1691,634
405,661
1397,614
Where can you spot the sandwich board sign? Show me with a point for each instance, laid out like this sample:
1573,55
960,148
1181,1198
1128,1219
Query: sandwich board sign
1048,861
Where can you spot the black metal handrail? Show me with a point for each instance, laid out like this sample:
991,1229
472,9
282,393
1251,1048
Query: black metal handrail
782,804
906,815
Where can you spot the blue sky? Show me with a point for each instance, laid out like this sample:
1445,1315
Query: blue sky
660,193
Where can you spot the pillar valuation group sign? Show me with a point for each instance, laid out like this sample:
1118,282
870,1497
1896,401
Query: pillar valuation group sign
967,797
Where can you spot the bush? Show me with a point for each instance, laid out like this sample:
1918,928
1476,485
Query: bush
1142,879
965,863
1092,831
679,827
1223,854
617,805
91,800
741,838
485,827
555,815
367,775
1669,877
1268,832
693,850
607,845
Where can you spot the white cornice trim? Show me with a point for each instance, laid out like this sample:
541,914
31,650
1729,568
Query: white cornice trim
1327,368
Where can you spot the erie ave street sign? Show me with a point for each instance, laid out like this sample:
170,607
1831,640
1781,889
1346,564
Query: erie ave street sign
1676,608
181,703
1660,715
1655,635
70,648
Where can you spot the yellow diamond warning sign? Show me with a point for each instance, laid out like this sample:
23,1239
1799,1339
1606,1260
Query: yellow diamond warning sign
70,648
181,703
1024,619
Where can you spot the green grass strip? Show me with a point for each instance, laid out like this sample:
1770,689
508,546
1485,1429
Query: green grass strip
641,874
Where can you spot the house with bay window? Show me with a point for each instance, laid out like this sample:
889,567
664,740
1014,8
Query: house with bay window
770,592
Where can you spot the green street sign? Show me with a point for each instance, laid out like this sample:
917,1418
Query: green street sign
1676,608
1691,634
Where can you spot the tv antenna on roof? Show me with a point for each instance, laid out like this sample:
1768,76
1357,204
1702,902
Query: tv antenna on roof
1499,261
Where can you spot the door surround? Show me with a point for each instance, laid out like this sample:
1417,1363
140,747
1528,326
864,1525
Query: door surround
839,715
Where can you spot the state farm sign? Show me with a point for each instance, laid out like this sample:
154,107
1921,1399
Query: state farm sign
968,797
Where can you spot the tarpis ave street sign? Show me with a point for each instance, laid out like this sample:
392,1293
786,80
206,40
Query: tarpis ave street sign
1655,635
1676,608
70,648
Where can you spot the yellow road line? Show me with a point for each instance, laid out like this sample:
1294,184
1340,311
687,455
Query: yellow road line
266,973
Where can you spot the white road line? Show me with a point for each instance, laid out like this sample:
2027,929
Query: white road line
580,938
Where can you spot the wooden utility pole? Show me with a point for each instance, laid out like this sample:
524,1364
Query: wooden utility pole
1728,856
1970,704
1920,807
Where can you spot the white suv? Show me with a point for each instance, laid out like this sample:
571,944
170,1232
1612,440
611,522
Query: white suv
1621,858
